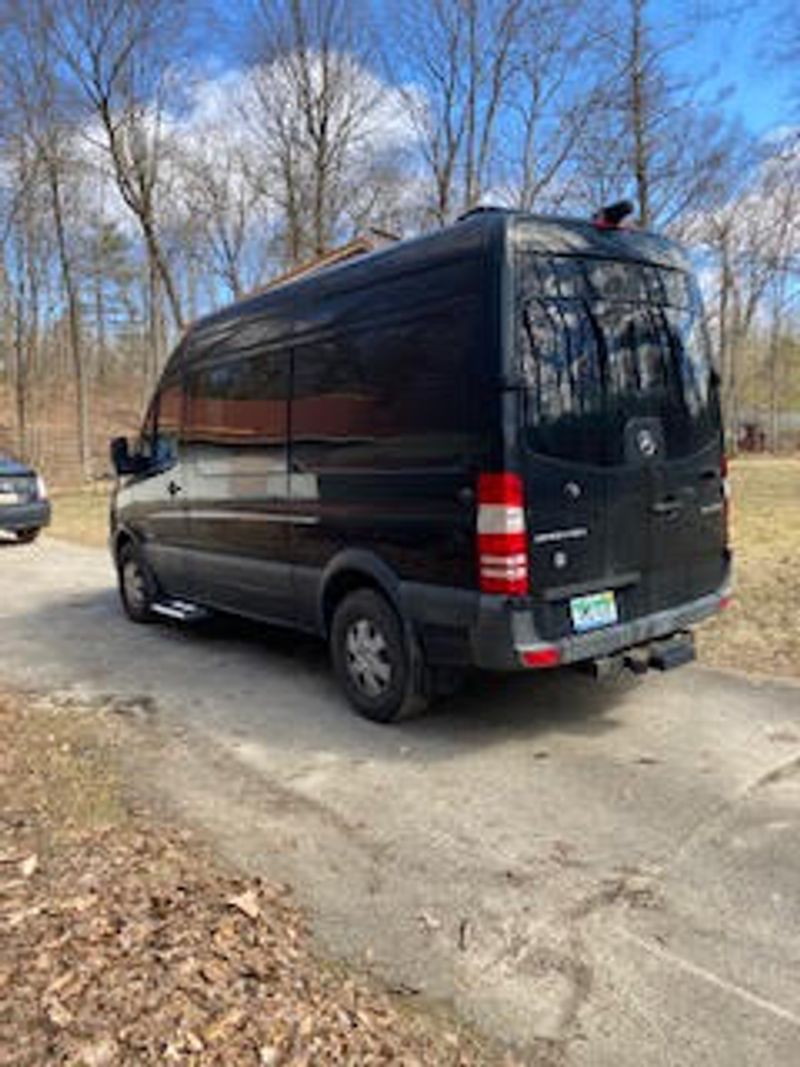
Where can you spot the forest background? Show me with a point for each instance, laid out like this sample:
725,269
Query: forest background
160,158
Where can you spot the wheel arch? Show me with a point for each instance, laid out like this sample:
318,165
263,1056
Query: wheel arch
122,536
356,569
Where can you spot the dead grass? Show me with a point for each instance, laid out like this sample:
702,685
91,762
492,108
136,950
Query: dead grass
761,630
81,515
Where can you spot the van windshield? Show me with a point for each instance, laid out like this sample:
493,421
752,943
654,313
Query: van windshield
603,341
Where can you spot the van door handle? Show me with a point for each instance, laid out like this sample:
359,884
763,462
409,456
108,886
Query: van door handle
173,488
466,496
667,507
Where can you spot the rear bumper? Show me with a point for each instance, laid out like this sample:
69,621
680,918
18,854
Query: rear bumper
491,632
496,650
25,516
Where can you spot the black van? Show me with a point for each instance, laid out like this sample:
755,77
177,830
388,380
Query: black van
496,446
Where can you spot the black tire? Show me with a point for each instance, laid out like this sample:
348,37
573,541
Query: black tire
26,537
377,663
137,586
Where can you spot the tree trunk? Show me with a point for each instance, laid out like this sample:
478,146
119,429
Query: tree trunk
471,191
153,327
73,322
726,368
20,377
157,261
641,162
774,371
102,368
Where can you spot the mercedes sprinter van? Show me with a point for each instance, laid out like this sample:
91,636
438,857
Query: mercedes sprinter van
496,446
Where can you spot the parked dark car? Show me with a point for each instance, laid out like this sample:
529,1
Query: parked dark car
496,446
24,507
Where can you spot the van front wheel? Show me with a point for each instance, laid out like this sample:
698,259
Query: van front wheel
137,586
378,665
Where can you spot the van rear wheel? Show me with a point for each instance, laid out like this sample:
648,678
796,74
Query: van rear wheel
377,663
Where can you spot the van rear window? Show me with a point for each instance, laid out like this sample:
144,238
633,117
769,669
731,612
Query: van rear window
601,342
619,281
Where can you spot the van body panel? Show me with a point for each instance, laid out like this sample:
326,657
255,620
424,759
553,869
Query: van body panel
158,522
611,538
152,505
236,380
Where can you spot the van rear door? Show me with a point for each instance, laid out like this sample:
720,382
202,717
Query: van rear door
620,440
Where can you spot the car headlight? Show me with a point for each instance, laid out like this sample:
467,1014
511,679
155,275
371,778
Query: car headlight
41,488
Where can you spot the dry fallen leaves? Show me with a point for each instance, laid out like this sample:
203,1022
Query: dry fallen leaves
246,903
29,865
132,947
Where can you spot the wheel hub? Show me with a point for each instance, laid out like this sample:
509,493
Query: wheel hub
133,584
368,658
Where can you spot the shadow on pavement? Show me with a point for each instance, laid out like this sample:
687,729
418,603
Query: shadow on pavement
276,685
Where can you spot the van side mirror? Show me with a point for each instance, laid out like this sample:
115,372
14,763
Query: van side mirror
121,459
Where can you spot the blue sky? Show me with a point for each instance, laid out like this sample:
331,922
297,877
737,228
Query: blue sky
737,50
732,50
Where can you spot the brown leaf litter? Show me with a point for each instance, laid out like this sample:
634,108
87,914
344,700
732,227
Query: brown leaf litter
125,942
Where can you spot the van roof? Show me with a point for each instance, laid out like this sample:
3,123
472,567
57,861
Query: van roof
552,235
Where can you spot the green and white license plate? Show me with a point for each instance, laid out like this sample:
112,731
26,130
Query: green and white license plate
593,610
8,498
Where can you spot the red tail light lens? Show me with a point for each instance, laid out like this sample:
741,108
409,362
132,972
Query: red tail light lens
502,538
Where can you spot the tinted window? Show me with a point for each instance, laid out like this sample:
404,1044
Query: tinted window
393,394
615,281
159,437
602,342
240,402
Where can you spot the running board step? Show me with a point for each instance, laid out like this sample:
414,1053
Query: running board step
180,610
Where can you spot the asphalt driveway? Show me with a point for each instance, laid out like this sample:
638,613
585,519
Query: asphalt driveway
604,877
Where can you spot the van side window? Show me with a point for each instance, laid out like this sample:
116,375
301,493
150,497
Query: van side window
389,392
242,402
159,437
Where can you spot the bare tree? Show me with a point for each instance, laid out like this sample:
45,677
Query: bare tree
109,269
654,135
31,84
462,55
315,101
556,91
117,54
752,240
221,194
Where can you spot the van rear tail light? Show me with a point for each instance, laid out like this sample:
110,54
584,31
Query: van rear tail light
502,538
